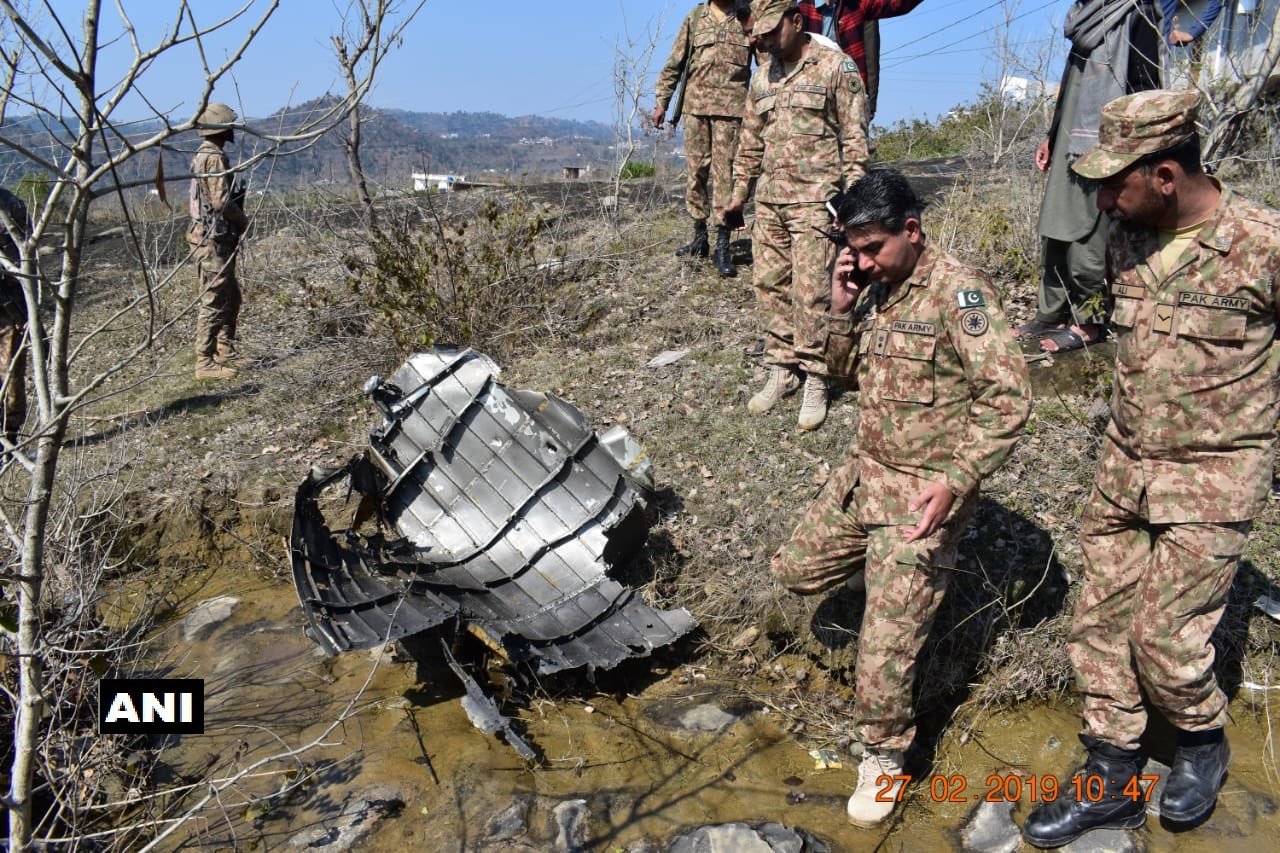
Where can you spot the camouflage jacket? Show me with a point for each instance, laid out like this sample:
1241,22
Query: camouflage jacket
802,135
212,206
715,60
943,390
1195,400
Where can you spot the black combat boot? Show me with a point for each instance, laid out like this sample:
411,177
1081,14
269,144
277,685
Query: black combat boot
1199,769
698,247
1104,793
722,257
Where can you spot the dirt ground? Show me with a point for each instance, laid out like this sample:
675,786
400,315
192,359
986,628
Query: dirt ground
206,470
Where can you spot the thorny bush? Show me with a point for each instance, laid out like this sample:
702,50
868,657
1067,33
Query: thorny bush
466,281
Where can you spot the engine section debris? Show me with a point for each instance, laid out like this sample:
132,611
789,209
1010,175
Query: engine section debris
503,509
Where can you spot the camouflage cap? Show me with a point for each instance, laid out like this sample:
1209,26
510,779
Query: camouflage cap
769,14
1135,125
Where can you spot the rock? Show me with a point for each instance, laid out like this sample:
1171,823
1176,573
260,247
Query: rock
570,819
644,845
1105,841
353,823
706,718
511,822
741,838
207,616
1155,768
667,357
991,829
745,639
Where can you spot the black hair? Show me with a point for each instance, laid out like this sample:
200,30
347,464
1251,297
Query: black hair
1185,153
880,197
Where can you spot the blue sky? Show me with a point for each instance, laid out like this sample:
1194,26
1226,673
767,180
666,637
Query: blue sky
556,57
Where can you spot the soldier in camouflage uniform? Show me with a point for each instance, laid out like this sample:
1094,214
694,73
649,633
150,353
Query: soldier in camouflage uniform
712,55
1186,462
803,139
217,223
13,317
943,396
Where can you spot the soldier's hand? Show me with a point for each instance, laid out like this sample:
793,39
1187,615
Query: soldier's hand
658,116
1042,155
933,503
844,290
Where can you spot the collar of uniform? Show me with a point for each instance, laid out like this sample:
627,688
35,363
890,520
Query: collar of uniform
1219,232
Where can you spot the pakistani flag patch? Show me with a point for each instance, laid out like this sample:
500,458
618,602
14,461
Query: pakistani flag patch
970,299
849,67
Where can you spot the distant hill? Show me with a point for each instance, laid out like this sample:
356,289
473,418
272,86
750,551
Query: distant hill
394,144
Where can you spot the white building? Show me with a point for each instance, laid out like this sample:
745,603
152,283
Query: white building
423,181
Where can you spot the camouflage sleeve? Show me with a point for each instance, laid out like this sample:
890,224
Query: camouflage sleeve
996,374
842,348
750,154
670,75
851,109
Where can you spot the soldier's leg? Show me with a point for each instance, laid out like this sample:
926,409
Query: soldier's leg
13,379
771,279
724,144
233,299
1116,546
905,585
207,269
698,156
829,544
218,289
811,256
1181,599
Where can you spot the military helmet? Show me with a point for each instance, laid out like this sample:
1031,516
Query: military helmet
215,119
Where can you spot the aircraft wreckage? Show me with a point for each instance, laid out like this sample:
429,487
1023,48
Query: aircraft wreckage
508,512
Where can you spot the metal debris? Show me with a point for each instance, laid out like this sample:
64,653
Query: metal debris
483,712
502,509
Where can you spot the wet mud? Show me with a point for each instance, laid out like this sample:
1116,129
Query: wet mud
653,753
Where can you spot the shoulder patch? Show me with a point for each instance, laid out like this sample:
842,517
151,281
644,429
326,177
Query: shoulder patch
970,299
849,66
975,322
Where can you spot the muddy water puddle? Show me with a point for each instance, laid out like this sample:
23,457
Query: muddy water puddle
405,769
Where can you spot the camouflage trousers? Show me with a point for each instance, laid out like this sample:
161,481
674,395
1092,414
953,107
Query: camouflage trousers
791,274
905,583
1151,598
219,308
709,145
13,371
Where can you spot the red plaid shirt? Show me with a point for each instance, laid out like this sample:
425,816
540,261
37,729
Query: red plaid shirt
850,15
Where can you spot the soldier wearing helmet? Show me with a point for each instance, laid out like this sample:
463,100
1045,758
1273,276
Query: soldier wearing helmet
217,224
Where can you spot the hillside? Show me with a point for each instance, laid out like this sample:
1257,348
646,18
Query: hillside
395,144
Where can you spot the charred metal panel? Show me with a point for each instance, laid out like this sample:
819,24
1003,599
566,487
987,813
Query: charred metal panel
509,509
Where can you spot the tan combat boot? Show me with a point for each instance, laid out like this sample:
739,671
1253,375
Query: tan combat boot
813,406
228,355
781,382
207,368
880,783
